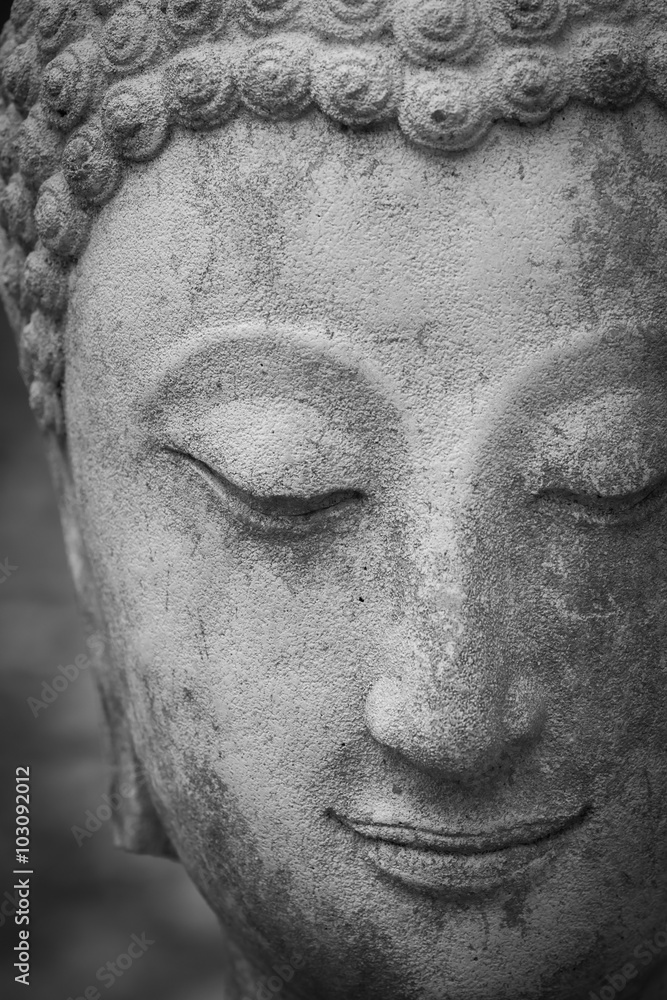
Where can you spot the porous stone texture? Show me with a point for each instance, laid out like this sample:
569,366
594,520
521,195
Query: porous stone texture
366,490
362,454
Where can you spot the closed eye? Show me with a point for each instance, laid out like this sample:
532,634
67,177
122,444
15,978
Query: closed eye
609,508
273,510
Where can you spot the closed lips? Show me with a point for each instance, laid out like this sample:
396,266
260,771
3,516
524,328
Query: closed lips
441,842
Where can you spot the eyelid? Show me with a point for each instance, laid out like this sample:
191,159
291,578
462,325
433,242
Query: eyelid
608,506
273,509
269,445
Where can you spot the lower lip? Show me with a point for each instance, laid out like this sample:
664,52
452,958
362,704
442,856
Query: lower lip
458,873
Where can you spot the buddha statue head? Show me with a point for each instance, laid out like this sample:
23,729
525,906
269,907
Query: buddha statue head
345,323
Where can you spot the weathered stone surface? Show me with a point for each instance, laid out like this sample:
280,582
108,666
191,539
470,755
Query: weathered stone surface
101,86
362,454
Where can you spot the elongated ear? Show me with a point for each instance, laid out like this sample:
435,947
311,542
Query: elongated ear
135,821
136,825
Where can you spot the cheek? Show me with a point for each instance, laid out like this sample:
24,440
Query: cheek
247,659
584,609
247,694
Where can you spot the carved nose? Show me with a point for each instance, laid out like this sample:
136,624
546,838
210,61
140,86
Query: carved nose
461,732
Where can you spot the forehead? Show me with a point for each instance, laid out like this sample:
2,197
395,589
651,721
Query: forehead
478,261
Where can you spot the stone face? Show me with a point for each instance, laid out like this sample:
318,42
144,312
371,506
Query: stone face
368,470
360,437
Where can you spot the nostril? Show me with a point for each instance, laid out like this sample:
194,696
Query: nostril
386,711
526,709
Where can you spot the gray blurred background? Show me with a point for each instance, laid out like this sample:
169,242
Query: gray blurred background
86,901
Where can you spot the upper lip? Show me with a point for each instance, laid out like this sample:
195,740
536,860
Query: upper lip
519,834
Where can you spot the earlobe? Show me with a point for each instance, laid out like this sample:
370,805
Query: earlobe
137,828
136,825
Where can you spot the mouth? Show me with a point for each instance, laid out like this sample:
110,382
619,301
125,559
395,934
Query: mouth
463,861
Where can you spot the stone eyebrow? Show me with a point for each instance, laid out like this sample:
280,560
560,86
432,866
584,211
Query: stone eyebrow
240,354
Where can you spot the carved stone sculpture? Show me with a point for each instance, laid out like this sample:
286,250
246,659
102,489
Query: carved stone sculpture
354,388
